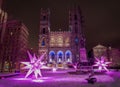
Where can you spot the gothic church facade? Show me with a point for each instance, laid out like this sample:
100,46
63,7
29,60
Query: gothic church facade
62,46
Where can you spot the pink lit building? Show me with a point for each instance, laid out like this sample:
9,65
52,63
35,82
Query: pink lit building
109,53
100,51
62,46
14,45
114,56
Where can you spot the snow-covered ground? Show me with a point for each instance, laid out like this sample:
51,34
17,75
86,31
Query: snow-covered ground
62,78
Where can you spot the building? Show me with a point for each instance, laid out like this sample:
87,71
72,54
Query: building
3,20
110,54
114,56
99,51
62,46
14,45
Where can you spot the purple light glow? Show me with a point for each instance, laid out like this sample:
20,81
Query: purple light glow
34,65
54,69
40,80
75,66
22,79
102,64
43,79
61,76
66,78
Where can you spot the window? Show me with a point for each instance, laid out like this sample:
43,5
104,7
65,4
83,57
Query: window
67,56
43,42
43,30
76,40
44,17
60,41
60,55
53,56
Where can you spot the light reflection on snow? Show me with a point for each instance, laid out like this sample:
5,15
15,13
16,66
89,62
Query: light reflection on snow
40,80
80,78
21,78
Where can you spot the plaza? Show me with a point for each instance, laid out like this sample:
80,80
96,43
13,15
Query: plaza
62,78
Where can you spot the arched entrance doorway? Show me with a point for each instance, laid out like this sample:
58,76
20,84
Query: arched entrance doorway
52,56
68,56
60,57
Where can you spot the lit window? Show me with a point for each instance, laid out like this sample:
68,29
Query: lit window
43,30
43,42
76,40
67,42
11,33
52,41
60,41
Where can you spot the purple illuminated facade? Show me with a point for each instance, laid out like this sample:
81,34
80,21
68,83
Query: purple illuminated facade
62,46
14,46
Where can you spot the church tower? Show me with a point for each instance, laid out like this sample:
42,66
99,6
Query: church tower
44,32
78,39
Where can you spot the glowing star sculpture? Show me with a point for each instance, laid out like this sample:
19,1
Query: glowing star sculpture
101,64
74,66
34,65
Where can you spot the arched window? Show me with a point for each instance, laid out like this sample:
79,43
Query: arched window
60,57
51,56
43,42
68,56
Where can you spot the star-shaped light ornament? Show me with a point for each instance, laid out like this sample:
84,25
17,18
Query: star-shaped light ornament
102,64
34,65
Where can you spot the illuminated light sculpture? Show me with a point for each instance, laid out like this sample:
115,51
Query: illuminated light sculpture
34,65
54,69
101,64
75,66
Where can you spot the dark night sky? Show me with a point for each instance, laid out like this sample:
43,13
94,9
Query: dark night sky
102,18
